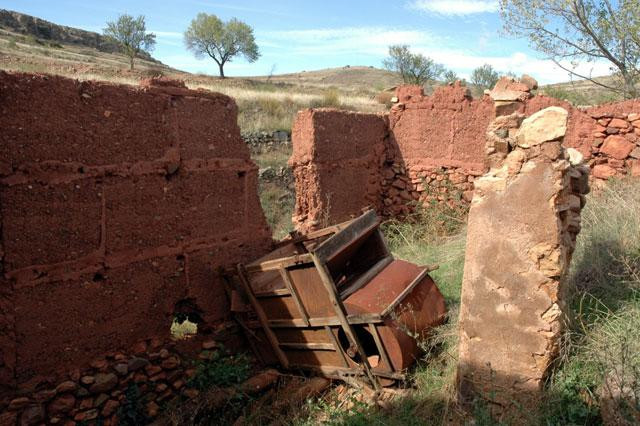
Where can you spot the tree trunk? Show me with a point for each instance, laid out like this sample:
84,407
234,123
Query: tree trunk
630,91
221,66
131,62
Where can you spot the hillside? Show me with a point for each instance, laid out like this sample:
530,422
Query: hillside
348,77
16,23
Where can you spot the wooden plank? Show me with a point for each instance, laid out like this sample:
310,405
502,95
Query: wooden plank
262,317
284,273
407,290
275,264
273,293
309,346
325,276
336,344
314,234
373,329
324,321
347,236
366,277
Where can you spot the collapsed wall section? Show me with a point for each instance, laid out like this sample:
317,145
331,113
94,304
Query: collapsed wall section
336,162
116,203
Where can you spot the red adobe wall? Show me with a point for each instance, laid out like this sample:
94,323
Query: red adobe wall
434,147
116,202
336,160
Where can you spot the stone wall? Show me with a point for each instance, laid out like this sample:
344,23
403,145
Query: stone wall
512,308
433,149
117,204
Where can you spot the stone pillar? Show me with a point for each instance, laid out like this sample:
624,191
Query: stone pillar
523,223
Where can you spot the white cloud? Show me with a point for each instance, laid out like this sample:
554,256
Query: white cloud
349,40
454,7
545,71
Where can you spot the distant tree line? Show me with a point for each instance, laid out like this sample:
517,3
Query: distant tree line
416,68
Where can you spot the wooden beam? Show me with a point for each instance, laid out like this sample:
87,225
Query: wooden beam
275,264
366,277
262,317
334,245
273,293
329,285
284,273
325,321
309,346
373,329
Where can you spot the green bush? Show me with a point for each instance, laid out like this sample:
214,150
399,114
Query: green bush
221,371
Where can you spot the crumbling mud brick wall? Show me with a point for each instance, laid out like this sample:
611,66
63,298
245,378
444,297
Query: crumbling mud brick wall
522,227
608,135
336,162
427,149
434,148
116,203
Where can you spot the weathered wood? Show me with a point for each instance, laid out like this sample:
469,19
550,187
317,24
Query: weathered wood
325,276
284,273
373,329
407,290
338,242
262,317
366,277
311,346
273,293
275,264
324,321
336,344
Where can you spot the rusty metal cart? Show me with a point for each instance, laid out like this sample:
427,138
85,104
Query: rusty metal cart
336,302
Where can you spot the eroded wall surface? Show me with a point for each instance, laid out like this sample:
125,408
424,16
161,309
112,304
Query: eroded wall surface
433,149
522,228
116,203
336,162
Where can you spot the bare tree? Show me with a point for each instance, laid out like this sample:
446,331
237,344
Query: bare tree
414,68
221,41
131,34
573,31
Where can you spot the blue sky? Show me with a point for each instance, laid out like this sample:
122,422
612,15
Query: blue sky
306,35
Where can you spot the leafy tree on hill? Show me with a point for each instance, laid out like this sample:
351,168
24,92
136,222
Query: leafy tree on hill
484,77
131,34
221,41
414,68
573,31
450,76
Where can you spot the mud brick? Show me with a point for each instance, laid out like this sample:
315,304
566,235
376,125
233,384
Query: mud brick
43,224
151,211
48,118
63,324
207,128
